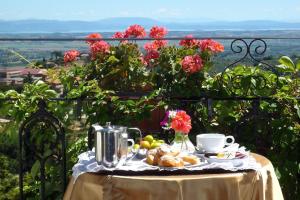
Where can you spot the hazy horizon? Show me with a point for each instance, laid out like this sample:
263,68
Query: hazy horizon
167,10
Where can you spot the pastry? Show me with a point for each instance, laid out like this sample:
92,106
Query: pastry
190,159
150,159
152,152
170,161
165,149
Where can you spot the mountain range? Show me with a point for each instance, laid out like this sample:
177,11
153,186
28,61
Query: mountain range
119,24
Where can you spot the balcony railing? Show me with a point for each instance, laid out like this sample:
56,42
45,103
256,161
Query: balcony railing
249,48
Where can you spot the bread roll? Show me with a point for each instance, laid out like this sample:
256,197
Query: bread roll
190,159
170,161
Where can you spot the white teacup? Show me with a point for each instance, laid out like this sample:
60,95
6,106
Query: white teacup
213,142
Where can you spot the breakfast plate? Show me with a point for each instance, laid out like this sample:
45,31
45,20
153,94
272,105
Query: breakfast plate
186,165
227,157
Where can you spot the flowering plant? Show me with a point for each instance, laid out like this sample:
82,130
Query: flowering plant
178,120
173,69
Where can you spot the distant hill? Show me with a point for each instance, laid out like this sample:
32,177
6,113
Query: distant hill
114,24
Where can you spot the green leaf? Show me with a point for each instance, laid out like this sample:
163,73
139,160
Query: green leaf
35,169
298,110
298,66
288,63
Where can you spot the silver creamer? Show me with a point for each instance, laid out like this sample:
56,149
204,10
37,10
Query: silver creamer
111,144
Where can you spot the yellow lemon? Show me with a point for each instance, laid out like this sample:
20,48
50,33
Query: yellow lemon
136,146
149,138
145,145
155,144
161,141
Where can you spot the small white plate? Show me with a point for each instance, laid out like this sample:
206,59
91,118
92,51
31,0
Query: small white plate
234,161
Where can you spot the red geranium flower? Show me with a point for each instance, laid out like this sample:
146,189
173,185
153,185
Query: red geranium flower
120,35
135,31
155,45
189,41
158,32
210,45
181,122
192,64
99,47
71,55
151,56
93,36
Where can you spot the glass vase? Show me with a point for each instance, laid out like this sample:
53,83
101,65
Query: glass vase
182,143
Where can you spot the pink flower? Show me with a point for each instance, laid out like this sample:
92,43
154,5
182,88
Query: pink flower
155,45
160,43
181,122
120,35
158,32
192,64
99,47
93,36
71,55
135,31
189,41
210,45
149,46
143,60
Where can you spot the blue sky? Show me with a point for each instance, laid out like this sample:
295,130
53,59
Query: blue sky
167,10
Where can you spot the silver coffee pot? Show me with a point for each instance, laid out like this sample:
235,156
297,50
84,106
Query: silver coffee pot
111,144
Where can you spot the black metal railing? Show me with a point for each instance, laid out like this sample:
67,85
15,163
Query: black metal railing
246,48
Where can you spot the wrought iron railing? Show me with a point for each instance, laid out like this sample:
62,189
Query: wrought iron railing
245,47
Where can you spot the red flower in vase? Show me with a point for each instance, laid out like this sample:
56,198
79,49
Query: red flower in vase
181,122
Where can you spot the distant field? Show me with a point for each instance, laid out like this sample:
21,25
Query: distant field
38,50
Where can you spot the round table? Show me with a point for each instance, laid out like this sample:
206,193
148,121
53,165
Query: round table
261,184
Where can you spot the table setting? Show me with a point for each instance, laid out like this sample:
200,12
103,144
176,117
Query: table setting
215,155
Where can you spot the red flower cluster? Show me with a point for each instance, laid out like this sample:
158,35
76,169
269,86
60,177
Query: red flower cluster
93,36
155,45
71,55
158,32
135,31
211,45
118,35
151,55
181,122
189,41
192,64
99,47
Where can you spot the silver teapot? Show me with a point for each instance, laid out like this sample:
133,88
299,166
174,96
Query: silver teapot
111,144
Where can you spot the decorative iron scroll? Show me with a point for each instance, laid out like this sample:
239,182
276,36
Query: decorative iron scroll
29,150
250,49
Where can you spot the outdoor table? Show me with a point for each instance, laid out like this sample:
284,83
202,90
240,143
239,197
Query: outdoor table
262,184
